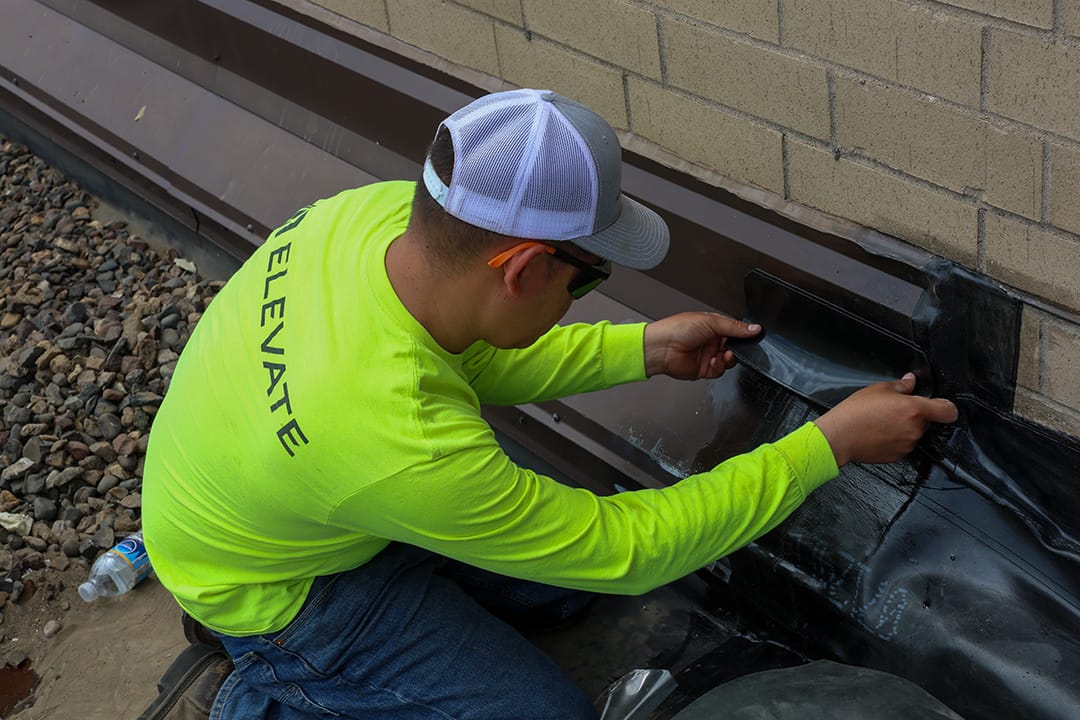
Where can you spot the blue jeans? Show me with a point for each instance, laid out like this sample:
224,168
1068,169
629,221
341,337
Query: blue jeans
408,635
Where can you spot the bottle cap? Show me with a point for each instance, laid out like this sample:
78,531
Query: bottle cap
88,591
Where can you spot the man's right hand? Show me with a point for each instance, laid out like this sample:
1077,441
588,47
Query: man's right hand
881,423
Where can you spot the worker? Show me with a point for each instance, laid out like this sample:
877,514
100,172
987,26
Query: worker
320,488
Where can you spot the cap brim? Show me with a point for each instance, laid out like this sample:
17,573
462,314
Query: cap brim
639,239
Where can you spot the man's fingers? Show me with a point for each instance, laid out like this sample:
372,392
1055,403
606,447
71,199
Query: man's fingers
940,410
730,327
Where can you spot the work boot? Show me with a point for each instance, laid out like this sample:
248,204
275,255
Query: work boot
196,632
190,685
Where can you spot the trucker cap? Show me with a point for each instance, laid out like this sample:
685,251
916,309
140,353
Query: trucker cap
534,164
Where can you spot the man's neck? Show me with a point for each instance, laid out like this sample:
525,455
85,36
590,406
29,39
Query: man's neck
445,305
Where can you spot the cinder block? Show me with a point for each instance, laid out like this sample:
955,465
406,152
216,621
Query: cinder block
1038,409
934,142
1065,187
541,64
615,31
450,31
1033,259
1034,81
1070,16
366,12
509,10
705,135
932,220
911,45
1027,371
1037,13
1061,367
770,85
757,18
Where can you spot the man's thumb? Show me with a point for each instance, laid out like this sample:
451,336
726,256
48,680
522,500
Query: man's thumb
730,327
906,384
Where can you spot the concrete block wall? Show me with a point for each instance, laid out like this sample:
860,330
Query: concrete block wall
953,125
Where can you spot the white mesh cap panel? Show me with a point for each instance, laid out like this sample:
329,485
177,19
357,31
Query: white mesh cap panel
487,151
521,169
558,198
533,164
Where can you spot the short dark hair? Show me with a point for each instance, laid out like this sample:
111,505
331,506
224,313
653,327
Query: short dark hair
453,242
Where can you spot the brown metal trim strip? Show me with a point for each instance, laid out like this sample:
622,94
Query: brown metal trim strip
376,111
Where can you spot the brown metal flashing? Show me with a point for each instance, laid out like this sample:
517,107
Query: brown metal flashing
358,103
201,155
232,113
349,100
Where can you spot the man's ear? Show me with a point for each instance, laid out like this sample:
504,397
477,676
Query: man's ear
520,274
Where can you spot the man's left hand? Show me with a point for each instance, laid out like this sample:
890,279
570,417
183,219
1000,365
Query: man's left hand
691,346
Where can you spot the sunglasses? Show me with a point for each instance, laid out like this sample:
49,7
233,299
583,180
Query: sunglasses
588,277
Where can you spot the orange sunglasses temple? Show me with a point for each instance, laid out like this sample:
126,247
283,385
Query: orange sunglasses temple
500,259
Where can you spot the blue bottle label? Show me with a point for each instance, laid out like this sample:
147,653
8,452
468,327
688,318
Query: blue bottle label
133,550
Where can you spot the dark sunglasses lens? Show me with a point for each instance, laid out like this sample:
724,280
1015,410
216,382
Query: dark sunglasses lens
583,284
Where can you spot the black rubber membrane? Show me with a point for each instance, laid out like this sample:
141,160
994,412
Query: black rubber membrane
817,349
958,569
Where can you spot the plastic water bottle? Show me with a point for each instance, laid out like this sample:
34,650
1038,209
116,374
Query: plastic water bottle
118,570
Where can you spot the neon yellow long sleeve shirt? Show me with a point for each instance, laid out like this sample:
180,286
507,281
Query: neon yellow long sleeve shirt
311,421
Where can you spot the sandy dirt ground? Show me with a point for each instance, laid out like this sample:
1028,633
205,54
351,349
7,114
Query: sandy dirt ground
105,661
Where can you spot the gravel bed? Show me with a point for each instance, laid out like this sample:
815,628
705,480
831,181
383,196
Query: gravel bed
92,320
